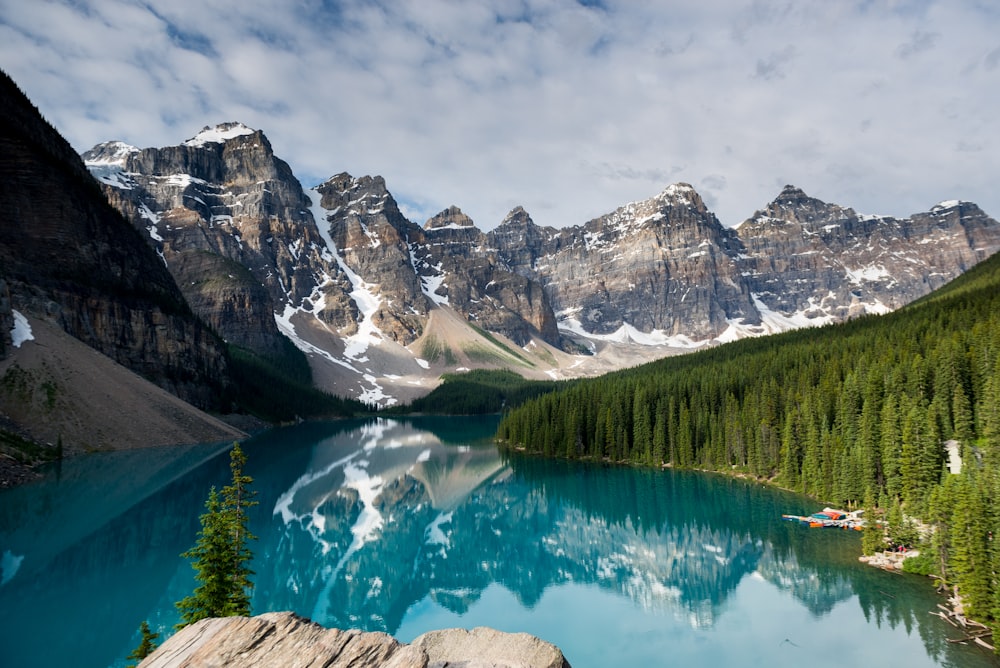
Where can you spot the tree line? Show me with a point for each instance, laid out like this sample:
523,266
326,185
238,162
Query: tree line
856,414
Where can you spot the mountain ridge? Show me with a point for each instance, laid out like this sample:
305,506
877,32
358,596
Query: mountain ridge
354,282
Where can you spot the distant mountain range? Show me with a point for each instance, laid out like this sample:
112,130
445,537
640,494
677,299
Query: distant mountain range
383,306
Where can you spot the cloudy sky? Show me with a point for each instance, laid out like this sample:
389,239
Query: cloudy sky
569,108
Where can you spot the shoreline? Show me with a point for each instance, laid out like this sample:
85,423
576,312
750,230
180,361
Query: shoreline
14,473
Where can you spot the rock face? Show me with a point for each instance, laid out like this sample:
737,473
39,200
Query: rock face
371,239
70,257
285,639
244,242
663,264
229,220
665,270
412,270
808,260
458,267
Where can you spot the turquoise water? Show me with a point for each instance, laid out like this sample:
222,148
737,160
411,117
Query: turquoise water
410,525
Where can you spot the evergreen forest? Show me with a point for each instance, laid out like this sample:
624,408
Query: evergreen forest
860,414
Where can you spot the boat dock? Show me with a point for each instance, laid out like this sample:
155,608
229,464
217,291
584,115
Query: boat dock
831,518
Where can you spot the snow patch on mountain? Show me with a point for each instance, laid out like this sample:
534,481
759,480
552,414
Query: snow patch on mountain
629,334
109,153
21,331
106,163
219,134
775,322
368,302
869,273
678,193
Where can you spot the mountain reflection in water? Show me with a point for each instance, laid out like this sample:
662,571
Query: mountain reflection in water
400,525
386,514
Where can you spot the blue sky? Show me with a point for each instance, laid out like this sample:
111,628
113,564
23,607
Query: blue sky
565,107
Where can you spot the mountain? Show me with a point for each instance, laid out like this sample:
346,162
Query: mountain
373,298
383,306
229,221
68,257
98,348
809,262
664,271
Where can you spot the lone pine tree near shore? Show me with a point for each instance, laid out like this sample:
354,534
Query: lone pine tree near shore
221,555
146,645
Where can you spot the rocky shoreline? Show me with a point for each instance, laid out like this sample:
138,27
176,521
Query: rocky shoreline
889,561
14,473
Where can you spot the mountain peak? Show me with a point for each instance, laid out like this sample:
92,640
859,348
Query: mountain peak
517,215
791,194
948,204
109,153
219,134
682,193
451,218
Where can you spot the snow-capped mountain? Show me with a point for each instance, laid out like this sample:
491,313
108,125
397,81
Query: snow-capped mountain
339,270
229,220
660,272
665,272
383,306
808,262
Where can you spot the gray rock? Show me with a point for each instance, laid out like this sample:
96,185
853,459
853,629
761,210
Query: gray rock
665,263
803,256
373,238
285,639
483,647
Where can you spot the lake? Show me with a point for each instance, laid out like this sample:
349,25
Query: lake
408,525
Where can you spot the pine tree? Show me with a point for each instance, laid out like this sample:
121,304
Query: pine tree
221,556
969,561
146,645
237,497
873,536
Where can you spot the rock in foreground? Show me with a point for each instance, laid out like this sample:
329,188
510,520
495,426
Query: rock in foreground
285,639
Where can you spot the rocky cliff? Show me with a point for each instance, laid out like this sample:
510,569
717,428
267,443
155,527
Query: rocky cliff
284,639
230,222
811,262
371,238
460,268
339,270
663,267
69,257
665,271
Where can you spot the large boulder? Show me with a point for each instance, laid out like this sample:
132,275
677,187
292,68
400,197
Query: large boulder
285,639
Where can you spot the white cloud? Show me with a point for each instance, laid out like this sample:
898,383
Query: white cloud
568,110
